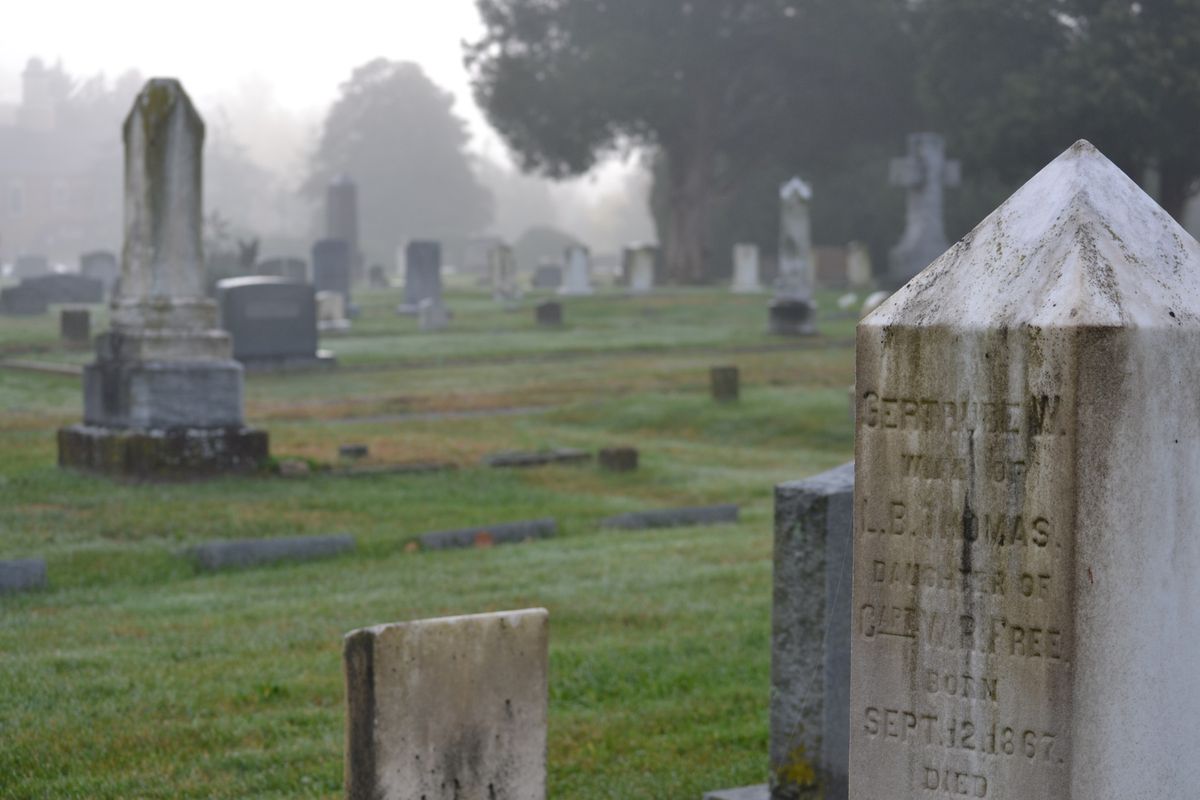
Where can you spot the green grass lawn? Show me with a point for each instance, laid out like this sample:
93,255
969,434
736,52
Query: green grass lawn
133,676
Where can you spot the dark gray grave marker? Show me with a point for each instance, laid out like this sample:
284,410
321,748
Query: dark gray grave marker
271,320
241,553
22,575
505,533
673,517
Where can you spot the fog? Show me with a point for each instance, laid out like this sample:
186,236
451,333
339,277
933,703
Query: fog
265,99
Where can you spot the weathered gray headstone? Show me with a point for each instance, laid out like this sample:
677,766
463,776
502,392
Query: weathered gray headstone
485,536
294,269
673,517
577,279
22,300
925,173
273,321
242,553
67,288
432,315
618,459
75,326
448,709
22,575
30,266
331,311
745,269
792,311
101,265
331,268
859,272
422,275
164,395
537,458
810,636
549,314
502,266
547,276
643,259
1025,556
341,220
725,384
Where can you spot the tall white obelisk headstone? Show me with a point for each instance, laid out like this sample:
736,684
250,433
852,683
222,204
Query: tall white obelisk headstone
1027,520
164,395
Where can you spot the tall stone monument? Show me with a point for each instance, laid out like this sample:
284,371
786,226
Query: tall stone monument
745,269
925,173
577,279
792,310
164,395
341,220
1026,519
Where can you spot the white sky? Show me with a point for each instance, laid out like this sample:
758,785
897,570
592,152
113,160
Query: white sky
227,52
302,49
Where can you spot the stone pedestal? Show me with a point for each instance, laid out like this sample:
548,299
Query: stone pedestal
1026,515
163,397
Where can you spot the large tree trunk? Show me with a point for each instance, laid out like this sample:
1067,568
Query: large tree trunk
690,170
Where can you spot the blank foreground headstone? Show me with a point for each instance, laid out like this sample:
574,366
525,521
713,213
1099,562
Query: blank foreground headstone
448,709
1026,542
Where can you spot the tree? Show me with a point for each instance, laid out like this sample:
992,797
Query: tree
710,85
1015,82
395,134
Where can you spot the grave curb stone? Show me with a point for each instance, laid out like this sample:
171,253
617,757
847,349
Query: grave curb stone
673,517
244,553
22,575
503,533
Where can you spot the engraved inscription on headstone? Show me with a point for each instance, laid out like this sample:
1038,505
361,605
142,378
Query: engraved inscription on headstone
1021,586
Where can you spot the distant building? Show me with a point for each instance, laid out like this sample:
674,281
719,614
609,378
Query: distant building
59,183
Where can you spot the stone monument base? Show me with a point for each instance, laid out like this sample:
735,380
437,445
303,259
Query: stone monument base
159,453
162,394
792,318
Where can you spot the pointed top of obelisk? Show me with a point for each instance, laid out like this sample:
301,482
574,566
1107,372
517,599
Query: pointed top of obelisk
1080,244
158,101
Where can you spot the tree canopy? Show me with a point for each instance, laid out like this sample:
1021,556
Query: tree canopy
394,132
734,96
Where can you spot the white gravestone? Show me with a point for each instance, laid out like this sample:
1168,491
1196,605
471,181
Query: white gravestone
642,260
1027,520
925,173
502,265
448,709
859,272
745,269
792,310
578,277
